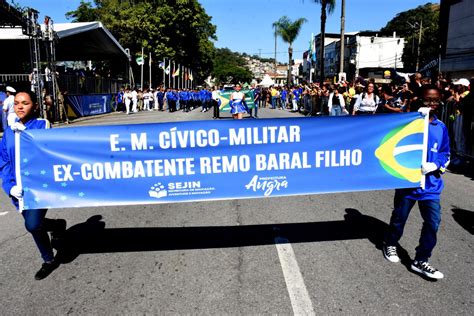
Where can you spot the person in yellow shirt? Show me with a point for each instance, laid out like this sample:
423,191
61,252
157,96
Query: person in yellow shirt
274,94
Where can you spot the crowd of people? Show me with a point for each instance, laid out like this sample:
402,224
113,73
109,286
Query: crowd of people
132,100
359,97
445,101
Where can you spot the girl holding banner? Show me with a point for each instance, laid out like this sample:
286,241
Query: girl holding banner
237,103
35,222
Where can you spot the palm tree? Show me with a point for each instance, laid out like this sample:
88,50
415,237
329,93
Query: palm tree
288,31
327,6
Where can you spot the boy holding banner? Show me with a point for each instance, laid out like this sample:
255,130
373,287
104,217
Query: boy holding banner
35,222
428,198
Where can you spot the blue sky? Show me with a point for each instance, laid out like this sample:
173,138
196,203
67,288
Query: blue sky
246,25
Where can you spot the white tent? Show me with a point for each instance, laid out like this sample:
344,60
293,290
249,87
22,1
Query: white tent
76,41
267,81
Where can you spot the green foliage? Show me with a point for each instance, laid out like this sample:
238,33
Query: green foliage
263,59
328,5
287,29
228,66
179,30
85,12
429,14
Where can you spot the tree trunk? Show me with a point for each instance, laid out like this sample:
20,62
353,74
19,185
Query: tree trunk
323,36
289,82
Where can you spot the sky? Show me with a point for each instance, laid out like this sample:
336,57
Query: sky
246,25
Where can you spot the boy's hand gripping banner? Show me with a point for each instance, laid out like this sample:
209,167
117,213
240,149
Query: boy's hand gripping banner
212,160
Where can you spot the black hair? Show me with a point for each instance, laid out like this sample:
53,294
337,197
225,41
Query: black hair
31,94
387,89
430,86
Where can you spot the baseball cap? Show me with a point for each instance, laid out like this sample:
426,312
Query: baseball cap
462,81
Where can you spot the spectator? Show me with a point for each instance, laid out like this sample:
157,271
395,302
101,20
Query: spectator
336,104
367,101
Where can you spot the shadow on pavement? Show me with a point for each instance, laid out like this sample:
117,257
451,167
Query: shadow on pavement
464,218
92,236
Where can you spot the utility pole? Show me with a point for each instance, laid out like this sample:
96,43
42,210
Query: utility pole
419,46
141,74
341,59
275,52
164,72
149,66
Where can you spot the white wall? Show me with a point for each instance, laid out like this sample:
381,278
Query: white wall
381,53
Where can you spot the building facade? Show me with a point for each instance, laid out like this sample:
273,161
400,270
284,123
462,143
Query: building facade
457,38
366,54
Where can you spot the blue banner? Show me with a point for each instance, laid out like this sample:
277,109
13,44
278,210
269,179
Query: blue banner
90,104
212,160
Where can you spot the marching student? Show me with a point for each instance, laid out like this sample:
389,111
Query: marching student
127,96
147,99
35,222
134,100
216,102
8,106
237,103
119,99
428,198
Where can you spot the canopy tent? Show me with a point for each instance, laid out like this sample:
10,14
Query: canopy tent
87,41
267,81
76,41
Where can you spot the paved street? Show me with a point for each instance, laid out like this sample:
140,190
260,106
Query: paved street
285,255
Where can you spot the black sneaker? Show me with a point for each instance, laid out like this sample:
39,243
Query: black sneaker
425,268
46,270
390,253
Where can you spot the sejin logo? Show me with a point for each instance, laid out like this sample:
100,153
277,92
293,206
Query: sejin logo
157,191
390,148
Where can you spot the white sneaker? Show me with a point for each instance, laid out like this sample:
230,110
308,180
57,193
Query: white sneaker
390,253
425,268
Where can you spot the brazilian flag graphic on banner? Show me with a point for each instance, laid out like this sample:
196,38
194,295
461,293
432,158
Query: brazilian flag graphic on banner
225,99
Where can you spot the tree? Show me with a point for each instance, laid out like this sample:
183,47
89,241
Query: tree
179,30
85,12
228,67
327,6
402,24
288,31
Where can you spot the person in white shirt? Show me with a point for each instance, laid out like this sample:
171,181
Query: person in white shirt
237,103
147,99
216,102
336,103
127,96
8,106
367,101
134,100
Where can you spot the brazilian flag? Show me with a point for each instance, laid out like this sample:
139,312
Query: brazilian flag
225,99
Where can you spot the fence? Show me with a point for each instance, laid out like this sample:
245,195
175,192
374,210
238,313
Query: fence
72,84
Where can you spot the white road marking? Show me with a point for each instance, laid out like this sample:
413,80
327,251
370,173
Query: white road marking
299,297
3,213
